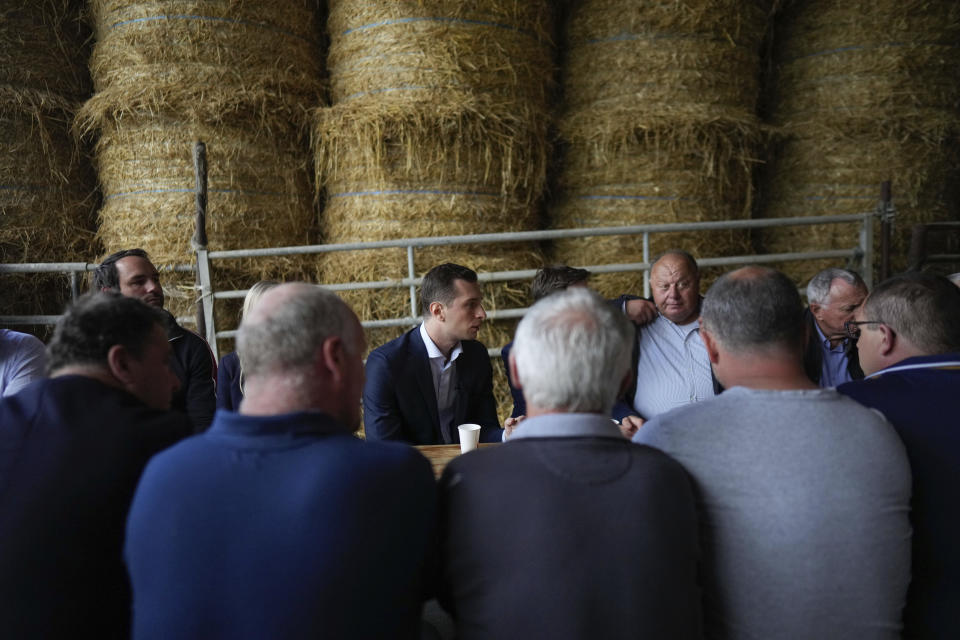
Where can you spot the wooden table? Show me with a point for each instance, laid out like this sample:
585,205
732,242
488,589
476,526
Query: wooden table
440,454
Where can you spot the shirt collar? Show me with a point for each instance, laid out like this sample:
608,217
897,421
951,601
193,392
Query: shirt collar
567,425
938,361
433,351
825,341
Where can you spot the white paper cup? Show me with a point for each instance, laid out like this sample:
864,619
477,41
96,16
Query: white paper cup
469,437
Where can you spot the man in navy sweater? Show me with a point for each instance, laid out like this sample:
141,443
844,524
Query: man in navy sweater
72,447
277,522
908,337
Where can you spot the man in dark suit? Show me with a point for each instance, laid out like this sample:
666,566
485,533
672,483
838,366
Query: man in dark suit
830,356
425,383
72,447
600,535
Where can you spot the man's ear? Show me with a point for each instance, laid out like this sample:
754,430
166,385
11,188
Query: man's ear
330,359
815,309
436,311
888,340
119,362
512,365
710,343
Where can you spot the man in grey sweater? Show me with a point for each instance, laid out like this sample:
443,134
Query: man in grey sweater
803,494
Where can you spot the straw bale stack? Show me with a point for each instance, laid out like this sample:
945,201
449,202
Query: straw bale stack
46,190
865,94
437,126
241,77
660,119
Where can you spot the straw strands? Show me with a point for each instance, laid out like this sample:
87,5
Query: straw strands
205,61
866,94
659,116
45,192
239,76
476,74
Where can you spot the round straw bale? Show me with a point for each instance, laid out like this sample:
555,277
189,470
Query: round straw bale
832,176
204,60
646,185
640,66
889,67
474,75
258,188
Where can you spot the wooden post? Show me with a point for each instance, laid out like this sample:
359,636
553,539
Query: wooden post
199,240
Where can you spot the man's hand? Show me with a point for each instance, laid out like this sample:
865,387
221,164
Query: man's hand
510,425
640,311
630,425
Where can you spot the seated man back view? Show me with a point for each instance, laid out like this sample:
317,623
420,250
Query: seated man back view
599,536
277,522
436,376
908,334
72,448
803,493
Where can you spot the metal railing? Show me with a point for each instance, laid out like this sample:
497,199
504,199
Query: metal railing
861,254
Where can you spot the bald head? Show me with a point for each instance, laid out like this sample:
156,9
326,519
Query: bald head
301,349
754,308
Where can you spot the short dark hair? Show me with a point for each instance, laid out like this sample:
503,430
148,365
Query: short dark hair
439,284
106,276
754,309
923,307
556,278
97,321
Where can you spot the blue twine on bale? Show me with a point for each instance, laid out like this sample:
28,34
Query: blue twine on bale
247,23
477,23
416,192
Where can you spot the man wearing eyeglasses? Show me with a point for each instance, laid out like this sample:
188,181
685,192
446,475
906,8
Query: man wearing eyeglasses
909,342
830,357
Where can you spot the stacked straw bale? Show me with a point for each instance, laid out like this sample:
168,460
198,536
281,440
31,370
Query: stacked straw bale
241,77
437,126
46,189
864,93
659,123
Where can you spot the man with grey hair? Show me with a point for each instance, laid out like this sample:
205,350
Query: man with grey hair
833,296
72,447
909,340
578,500
803,494
278,522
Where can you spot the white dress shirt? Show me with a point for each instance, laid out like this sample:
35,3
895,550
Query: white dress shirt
444,373
673,368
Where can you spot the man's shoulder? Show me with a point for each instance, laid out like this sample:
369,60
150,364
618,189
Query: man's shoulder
399,345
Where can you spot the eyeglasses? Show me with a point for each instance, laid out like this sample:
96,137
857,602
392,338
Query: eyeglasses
852,327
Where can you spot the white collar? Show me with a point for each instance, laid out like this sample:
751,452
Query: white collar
433,351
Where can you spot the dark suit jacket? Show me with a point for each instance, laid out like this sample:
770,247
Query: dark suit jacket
813,353
229,394
399,402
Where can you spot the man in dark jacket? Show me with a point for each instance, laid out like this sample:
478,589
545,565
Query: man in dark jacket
72,448
602,533
131,273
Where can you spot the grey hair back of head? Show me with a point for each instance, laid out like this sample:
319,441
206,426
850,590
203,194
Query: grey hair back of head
572,351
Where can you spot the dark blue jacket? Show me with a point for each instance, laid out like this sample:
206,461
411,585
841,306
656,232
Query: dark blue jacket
281,526
919,397
229,394
399,401
193,364
71,453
